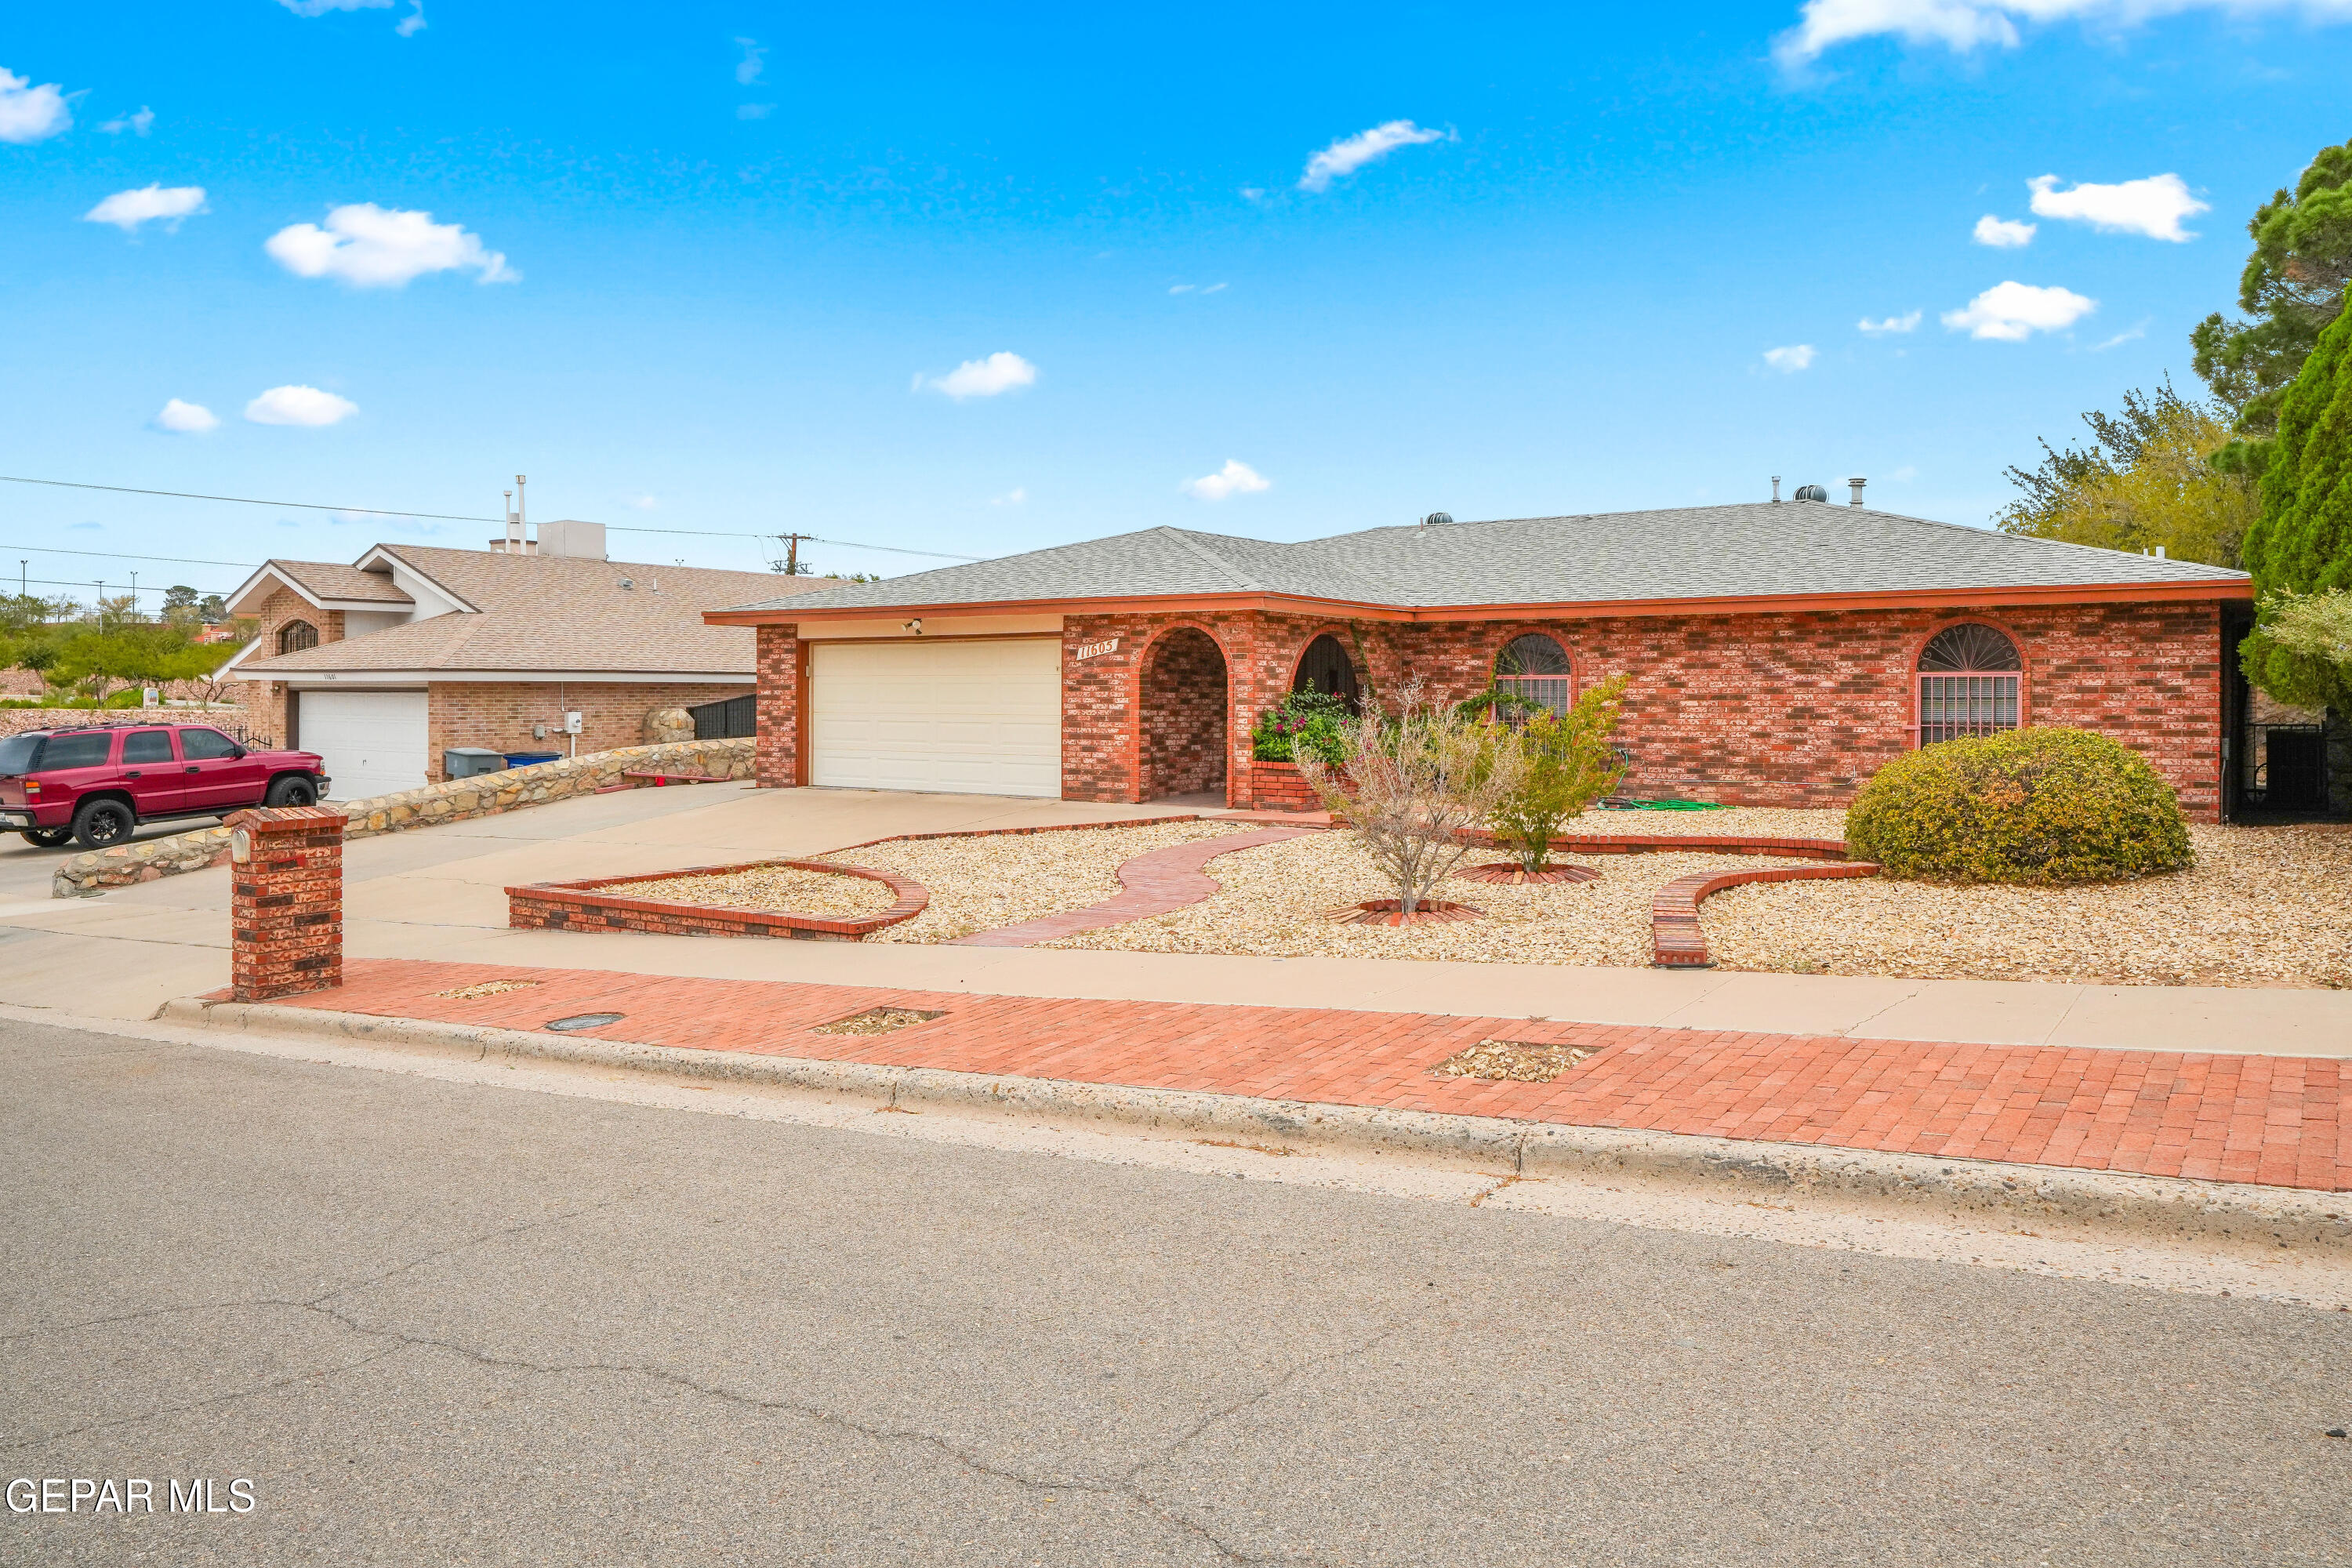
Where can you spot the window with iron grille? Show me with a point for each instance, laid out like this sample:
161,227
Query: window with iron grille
296,635
1536,668
1326,667
1968,679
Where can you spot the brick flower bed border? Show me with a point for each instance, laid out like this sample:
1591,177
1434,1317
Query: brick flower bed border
1676,940
585,906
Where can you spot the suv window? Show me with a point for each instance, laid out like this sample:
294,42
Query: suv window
205,745
85,751
16,754
147,746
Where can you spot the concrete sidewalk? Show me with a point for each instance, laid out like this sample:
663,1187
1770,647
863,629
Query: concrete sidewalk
438,894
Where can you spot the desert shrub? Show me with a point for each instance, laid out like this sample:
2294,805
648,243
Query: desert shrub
2026,805
1569,765
1412,785
1315,722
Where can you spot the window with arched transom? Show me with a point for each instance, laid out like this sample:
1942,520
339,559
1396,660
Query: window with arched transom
1969,677
1326,667
1535,668
296,635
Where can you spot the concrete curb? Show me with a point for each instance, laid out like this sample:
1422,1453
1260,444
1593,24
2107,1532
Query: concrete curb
1897,1186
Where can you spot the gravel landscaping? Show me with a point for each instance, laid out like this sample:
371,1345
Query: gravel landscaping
776,889
984,881
2263,906
1272,897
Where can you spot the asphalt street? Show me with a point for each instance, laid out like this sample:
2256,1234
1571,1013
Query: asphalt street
439,1324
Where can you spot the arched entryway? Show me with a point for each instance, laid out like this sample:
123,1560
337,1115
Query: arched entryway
1184,713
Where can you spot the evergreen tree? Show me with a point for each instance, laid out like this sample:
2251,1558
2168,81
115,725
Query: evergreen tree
2292,288
2303,541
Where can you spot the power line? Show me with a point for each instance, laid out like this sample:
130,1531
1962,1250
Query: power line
117,556
455,517
55,582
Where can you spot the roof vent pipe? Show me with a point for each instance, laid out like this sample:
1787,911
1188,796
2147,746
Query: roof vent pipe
1810,492
1776,489
1858,485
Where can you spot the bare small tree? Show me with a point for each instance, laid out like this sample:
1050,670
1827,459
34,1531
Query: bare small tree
1414,783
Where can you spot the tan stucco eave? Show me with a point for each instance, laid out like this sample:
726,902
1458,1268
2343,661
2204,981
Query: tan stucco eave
2226,590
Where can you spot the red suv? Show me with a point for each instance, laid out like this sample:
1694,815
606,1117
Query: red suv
94,786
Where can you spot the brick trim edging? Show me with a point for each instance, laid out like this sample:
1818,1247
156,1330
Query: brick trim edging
1156,882
1040,828
570,906
1676,940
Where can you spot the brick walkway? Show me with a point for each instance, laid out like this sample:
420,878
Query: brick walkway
2278,1121
1155,882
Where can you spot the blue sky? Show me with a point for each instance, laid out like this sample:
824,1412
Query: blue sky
718,266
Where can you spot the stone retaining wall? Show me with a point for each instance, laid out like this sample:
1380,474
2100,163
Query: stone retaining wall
487,795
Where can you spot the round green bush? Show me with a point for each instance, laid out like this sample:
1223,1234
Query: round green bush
2026,805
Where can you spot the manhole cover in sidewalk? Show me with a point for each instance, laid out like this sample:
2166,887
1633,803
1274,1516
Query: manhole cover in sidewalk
585,1021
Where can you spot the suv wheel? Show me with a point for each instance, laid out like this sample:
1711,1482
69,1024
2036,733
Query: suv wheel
47,837
100,823
292,790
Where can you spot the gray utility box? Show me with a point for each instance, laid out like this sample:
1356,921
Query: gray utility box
464,761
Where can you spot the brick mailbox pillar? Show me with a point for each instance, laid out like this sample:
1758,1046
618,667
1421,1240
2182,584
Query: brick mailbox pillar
286,915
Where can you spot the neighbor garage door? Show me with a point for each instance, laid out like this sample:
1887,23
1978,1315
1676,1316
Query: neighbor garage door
971,717
372,741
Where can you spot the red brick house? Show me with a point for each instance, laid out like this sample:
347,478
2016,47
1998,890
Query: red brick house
383,665
1779,652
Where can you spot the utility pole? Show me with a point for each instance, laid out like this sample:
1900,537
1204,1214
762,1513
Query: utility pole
791,564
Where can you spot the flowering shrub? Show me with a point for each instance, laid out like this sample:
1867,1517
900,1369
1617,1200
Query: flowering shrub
1313,722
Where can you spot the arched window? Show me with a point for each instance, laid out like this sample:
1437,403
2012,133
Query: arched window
1325,666
1968,676
296,635
1534,667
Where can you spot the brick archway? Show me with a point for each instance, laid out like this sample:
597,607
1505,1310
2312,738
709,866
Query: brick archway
1182,710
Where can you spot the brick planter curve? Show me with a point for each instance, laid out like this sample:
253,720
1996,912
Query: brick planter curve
584,906
1676,940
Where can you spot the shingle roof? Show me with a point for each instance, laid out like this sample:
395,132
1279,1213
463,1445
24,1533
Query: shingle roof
1750,550
552,612
333,580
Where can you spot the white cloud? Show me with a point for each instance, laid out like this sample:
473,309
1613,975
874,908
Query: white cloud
754,110
2133,335
2153,207
371,247
2013,312
1903,475
1789,359
320,7
754,60
1235,479
1012,497
982,377
1963,25
126,210
29,113
1351,154
299,405
186,419
1254,194
1196,288
138,124
2002,233
413,23
1878,329
645,503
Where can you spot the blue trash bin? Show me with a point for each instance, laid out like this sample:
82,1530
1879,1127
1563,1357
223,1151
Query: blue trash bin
525,759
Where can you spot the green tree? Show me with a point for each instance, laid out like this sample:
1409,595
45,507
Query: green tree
213,610
180,602
2144,480
2301,651
2292,287
1569,765
2303,541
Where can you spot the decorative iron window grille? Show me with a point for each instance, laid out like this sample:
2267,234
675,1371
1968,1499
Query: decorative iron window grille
1969,681
1325,666
1536,668
296,635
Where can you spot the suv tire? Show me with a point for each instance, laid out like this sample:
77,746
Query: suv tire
291,790
100,823
48,837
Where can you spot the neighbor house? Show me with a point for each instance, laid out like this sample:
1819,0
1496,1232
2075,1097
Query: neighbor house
1779,652
383,665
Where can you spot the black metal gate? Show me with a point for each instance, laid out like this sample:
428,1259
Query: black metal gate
737,718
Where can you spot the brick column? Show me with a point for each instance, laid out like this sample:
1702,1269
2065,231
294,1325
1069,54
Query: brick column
286,911
777,707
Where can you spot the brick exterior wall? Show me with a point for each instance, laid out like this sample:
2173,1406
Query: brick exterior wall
1183,712
1277,786
286,901
264,701
779,707
499,713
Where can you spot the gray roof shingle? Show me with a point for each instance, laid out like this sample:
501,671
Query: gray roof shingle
1752,548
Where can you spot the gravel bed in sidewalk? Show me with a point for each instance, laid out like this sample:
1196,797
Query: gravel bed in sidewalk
2263,906
983,881
1272,897
825,894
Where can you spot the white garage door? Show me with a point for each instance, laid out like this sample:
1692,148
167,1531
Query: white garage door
966,717
372,741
